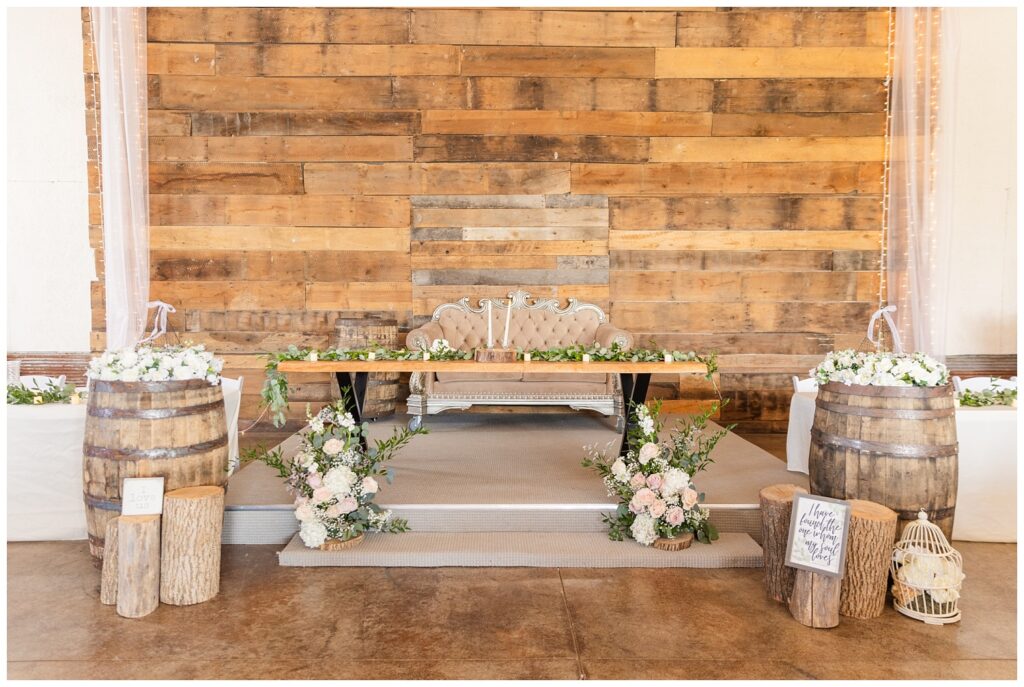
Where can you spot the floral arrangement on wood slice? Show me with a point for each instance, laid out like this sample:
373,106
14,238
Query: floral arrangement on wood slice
880,369
19,394
927,574
653,482
334,479
993,396
157,364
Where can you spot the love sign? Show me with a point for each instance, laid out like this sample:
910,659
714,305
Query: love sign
818,533
142,496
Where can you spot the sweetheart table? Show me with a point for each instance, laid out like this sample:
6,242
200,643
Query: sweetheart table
986,499
635,376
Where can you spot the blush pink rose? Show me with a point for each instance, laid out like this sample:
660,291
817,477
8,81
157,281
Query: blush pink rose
657,508
655,481
675,516
334,511
314,480
322,495
690,498
637,481
634,507
645,497
347,505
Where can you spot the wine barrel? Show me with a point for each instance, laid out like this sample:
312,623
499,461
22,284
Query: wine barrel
174,429
381,387
893,445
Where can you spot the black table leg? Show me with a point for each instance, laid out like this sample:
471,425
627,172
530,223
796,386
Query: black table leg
634,393
353,394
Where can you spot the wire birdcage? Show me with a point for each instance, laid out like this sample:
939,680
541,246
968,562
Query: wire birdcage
927,574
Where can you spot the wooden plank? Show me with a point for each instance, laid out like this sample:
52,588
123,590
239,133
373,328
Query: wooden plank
336,60
580,94
503,217
430,92
741,317
269,93
716,287
477,277
229,295
509,122
226,265
531,61
746,212
767,149
181,58
491,262
723,260
534,234
426,178
809,124
280,238
603,367
306,148
215,178
281,321
277,25
359,266
462,148
726,178
743,240
531,27
395,296
177,149
466,248
167,123
328,123
745,63
799,95
761,343
321,210
782,28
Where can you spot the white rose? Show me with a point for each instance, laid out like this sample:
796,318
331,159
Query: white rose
333,447
648,451
643,530
181,372
369,485
313,534
620,471
676,480
130,375
305,513
129,358
107,374
347,422
339,479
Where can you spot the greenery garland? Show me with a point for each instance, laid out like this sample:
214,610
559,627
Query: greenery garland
19,394
275,387
989,397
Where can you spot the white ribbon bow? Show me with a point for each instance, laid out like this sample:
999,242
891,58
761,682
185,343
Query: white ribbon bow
159,319
885,313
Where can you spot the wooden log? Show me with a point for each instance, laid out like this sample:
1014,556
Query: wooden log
814,601
776,509
138,565
495,355
190,546
872,533
108,577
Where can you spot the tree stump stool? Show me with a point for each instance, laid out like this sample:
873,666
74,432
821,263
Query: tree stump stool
870,544
108,576
776,509
814,601
190,559
138,565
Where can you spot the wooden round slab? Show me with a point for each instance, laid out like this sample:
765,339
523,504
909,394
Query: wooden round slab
681,542
338,544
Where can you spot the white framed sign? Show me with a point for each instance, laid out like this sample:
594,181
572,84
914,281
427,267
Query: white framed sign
818,534
142,496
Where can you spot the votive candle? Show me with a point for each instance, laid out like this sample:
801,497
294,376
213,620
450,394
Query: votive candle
586,357
426,355
371,356
527,357
668,357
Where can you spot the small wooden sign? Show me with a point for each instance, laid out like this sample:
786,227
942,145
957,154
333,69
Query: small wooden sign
818,533
142,496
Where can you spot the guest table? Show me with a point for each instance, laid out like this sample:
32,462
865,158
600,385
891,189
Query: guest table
44,467
986,503
352,374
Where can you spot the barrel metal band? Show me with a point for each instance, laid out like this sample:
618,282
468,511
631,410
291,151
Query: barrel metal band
905,450
103,504
888,391
147,387
153,453
895,413
154,413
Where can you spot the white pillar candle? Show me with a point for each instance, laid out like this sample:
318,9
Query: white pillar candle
371,356
526,357
508,318
668,357
426,355
490,337
586,357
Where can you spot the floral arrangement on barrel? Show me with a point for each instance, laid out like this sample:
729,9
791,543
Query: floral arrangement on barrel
157,364
658,501
335,479
880,369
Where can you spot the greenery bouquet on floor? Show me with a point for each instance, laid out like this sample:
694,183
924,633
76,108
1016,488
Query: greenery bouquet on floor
654,481
334,479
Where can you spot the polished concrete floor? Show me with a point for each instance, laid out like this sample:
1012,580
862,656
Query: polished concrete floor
334,623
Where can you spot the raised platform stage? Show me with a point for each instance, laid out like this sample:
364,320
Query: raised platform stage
486,489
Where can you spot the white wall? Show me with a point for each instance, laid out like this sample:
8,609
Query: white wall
49,262
983,281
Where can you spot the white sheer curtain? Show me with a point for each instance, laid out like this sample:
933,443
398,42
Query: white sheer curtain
919,193
119,38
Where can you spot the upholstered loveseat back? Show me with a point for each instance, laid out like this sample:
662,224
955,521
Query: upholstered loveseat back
528,329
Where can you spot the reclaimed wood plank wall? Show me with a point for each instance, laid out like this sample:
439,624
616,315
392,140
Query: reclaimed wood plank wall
712,177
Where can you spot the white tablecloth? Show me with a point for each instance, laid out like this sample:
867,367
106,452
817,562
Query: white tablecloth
44,468
986,502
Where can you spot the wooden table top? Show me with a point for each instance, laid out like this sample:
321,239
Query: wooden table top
677,368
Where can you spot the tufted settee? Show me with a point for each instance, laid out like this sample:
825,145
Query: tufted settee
537,325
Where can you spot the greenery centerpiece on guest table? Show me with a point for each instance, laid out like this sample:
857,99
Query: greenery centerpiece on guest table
654,480
20,394
334,479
